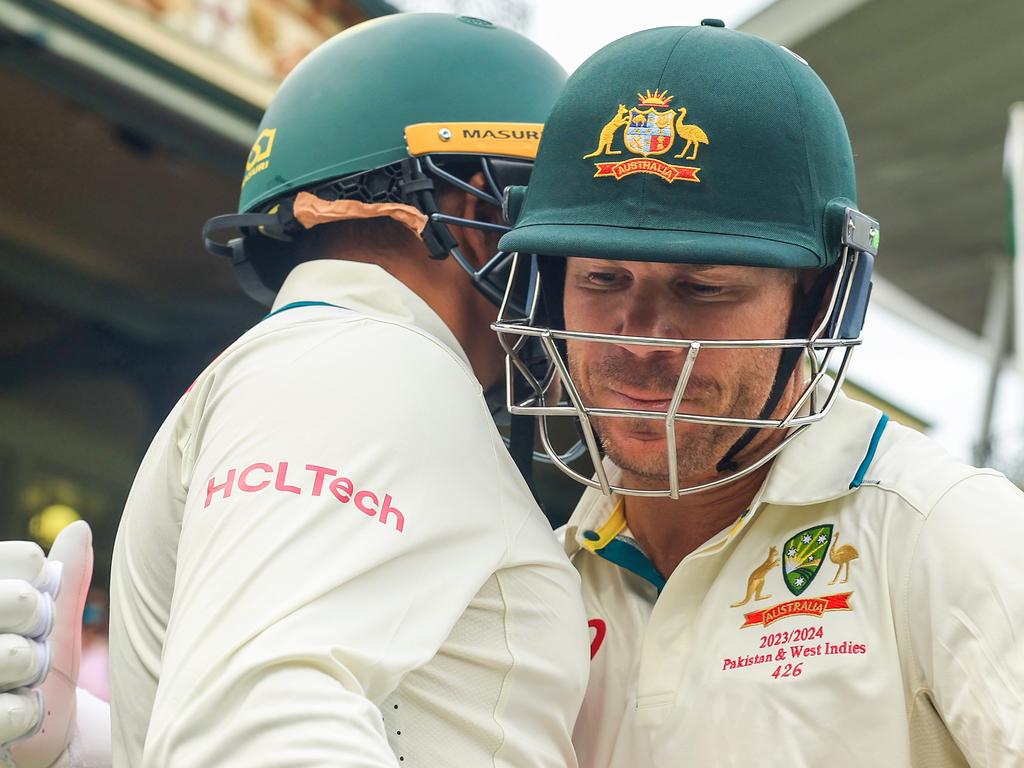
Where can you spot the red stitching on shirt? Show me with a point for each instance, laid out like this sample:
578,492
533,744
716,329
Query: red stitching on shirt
600,630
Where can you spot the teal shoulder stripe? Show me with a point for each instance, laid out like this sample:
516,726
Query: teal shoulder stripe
297,304
872,447
632,558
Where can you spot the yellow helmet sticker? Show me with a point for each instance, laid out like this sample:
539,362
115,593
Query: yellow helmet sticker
259,155
518,140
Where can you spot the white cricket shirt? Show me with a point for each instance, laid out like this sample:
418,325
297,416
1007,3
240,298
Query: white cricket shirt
868,610
329,559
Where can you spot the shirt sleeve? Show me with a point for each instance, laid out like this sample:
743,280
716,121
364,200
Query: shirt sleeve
966,611
341,514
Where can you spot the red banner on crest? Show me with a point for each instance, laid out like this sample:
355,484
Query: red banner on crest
804,606
647,165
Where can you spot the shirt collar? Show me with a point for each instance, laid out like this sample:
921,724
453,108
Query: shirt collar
367,289
598,513
826,461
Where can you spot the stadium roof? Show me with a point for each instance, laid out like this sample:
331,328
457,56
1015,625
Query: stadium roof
121,135
925,86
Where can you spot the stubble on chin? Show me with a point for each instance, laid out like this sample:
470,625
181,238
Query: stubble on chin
628,442
698,450
637,446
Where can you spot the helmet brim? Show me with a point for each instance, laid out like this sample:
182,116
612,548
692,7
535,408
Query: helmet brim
660,245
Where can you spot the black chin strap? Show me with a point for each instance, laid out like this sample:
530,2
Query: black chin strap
520,445
799,326
418,191
520,433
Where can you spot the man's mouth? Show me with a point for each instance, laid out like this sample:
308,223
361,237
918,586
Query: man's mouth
638,400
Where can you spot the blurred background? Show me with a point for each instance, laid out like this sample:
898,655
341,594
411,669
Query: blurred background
126,124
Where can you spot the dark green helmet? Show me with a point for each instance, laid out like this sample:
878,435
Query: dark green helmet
693,145
373,115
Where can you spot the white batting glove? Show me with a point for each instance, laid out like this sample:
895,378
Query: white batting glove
41,602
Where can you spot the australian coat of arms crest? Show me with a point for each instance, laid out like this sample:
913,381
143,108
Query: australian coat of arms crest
649,129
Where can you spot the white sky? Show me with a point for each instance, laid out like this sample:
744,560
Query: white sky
940,383
571,30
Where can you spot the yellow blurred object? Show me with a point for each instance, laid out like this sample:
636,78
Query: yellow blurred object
45,525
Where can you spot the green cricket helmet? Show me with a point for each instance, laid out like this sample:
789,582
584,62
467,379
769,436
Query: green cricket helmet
377,115
690,145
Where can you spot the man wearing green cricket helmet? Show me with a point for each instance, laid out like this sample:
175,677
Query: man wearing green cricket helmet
773,573
328,556
384,120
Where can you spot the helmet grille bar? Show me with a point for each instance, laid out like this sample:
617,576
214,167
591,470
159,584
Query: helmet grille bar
557,396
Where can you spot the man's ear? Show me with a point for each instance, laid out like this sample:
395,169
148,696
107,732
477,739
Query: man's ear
477,245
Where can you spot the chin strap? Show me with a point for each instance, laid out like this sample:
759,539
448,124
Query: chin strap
521,447
418,189
799,326
520,434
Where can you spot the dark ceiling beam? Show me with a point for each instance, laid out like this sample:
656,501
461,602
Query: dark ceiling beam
81,350
126,84
164,321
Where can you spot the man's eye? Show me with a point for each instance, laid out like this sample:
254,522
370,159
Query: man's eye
703,289
603,278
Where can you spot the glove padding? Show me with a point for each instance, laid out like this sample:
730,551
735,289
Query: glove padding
41,603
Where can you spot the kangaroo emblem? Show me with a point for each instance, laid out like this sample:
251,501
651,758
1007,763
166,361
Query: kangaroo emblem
604,144
756,581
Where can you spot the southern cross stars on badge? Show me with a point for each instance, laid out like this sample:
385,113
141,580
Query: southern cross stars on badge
651,128
803,555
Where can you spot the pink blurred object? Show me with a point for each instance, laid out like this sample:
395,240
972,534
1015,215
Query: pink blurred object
94,668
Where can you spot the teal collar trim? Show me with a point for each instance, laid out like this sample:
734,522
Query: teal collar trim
872,447
297,304
628,555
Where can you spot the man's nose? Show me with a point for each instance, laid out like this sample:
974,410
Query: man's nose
645,317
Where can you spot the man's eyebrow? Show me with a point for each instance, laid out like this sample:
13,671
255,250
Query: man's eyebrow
708,267
682,267
628,262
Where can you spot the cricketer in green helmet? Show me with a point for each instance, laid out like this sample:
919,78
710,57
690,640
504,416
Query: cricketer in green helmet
773,573
328,556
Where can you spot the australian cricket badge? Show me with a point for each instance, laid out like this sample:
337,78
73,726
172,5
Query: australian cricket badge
649,129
